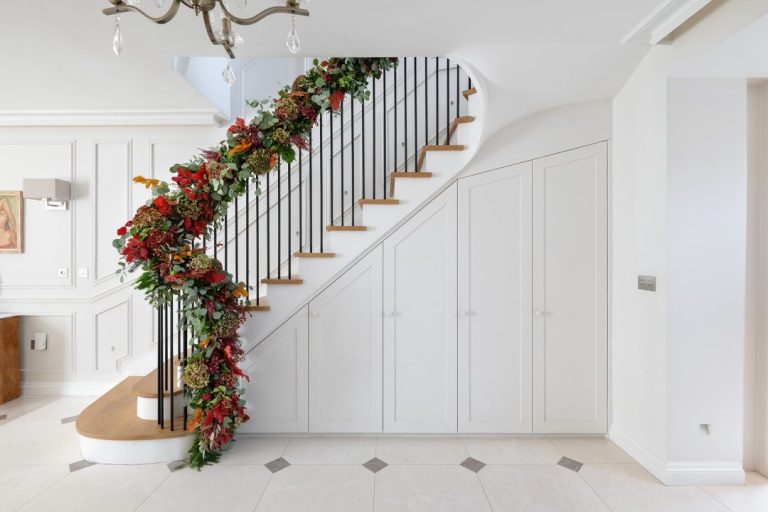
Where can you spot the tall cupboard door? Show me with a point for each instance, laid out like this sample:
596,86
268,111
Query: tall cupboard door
345,345
570,291
276,395
494,283
420,321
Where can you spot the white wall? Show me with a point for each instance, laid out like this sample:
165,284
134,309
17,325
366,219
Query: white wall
96,325
645,362
706,269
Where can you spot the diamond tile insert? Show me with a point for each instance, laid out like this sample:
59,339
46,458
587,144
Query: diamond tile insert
175,466
68,420
277,465
571,464
81,464
473,465
375,465
3,416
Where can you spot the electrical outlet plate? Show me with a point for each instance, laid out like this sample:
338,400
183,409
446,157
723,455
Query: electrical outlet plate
647,283
82,272
63,272
41,341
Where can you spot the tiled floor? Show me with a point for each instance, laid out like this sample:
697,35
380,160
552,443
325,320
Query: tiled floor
41,470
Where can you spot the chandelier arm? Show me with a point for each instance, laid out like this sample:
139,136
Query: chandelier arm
165,18
212,36
263,14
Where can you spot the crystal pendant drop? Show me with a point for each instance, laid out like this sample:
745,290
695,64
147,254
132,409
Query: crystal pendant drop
117,39
229,74
293,42
159,3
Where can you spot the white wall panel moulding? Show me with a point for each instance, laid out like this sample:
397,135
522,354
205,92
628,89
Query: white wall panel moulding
663,20
109,117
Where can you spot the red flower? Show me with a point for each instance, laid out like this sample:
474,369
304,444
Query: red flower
215,277
121,231
135,249
238,126
162,205
336,98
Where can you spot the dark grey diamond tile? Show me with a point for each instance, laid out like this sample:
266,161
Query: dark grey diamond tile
68,420
277,465
473,465
81,464
177,465
375,465
3,416
571,464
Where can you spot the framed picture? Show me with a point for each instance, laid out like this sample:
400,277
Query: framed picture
11,221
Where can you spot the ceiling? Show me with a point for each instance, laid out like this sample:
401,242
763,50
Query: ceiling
539,53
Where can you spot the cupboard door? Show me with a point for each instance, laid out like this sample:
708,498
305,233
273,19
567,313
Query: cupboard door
345,344
277,393
570,291
420,321
494,282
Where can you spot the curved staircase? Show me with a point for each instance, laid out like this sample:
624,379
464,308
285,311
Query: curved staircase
132,424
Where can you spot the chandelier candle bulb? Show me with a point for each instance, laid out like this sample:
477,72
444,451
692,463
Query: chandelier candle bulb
117,38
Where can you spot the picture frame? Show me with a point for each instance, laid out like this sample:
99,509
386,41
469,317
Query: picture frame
11,221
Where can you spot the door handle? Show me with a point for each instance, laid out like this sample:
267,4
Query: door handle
389,314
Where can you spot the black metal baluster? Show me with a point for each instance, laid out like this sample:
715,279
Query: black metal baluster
301,205
258,244
184,364
437,100
352,142
279,219
426,103
405,113
394,157
248,235
171,375
165,346
160,342
226,239
341,189
373,171
290,213
310,227
362,145
215,241
458,70
469,82
322,212
269,229
448,101
237,240
415,114
384,148
331,220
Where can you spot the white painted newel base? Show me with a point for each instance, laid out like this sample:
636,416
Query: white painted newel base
152,451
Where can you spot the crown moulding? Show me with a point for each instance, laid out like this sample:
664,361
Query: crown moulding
152,117
663,20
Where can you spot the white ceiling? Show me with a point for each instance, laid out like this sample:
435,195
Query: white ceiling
537,53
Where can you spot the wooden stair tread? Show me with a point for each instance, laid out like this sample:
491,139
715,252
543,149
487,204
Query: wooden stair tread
346,228
147,385
299,254
469,92
455,126
282,280
413,174
113,417
436,147
261,306
378,201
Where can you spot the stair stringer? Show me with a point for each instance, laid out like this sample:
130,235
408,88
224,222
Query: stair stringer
381,220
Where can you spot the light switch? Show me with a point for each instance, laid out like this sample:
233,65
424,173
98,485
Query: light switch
647,283
82,272
41,341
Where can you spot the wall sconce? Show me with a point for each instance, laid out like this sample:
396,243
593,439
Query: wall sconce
54,193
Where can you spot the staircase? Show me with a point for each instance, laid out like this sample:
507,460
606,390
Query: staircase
369,168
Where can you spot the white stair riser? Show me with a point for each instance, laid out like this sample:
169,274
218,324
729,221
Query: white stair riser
146,408
153,451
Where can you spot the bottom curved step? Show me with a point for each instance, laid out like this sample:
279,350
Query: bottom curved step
111,433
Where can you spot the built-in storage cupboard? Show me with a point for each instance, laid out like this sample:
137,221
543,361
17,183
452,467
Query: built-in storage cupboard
486,312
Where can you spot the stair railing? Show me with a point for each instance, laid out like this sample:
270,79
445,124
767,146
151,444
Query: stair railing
351,157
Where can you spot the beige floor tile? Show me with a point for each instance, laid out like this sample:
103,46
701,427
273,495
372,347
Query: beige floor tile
751,497
330,450
254,450
421,450
19,484
591,450
512,450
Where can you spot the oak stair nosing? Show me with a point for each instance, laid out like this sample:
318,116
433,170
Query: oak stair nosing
282,280
261,306
146,387
400,174
469,92
346,228
436,147
363,202
299,254
455,126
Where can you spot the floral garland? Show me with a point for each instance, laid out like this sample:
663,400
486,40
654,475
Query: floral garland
163,237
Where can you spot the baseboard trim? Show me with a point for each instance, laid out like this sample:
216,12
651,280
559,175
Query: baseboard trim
679,473
78,388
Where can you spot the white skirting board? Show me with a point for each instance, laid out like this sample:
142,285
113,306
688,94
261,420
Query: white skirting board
679,473
152,451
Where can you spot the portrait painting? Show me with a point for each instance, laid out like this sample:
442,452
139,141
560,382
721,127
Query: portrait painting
11,221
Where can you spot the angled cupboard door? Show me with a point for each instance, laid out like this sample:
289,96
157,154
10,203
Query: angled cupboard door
570,291
345,334
494,282
277,393
420,321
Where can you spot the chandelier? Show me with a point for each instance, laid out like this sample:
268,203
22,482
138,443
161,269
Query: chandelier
224,36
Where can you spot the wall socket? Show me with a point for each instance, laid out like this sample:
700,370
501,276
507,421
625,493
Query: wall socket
40,342
82,272
63,272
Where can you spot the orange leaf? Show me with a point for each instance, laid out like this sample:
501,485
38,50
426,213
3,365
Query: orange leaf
240,147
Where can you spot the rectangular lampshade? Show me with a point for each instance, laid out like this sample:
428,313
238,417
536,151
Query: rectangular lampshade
48,188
